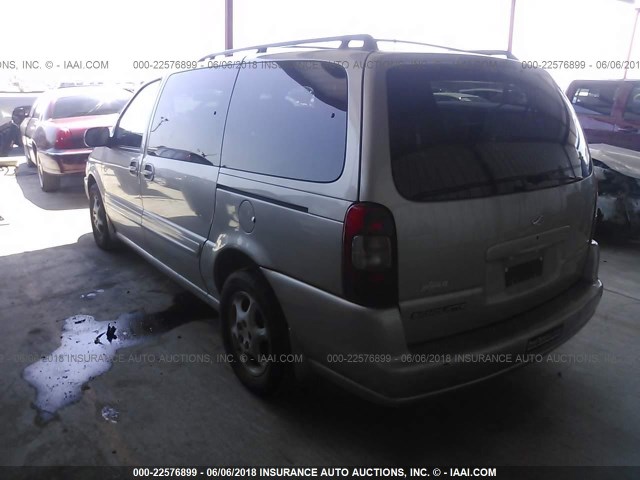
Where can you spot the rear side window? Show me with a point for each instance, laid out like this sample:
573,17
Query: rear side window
458,132
189,119
288,119
594,99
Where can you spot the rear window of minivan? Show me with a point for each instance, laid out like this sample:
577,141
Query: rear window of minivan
458,132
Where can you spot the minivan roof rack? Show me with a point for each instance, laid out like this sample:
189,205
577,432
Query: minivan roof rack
506,53
368,43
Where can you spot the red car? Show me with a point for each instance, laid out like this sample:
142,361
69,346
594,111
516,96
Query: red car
609,111
53,133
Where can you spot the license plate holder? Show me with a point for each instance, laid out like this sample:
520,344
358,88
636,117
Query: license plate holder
522,272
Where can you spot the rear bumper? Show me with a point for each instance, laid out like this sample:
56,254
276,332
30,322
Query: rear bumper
64,162
341,340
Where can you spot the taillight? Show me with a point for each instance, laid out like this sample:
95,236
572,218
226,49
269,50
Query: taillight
63,138
370,271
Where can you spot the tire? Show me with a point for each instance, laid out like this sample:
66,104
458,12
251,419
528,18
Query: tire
254,332
103,233
27,155
48,182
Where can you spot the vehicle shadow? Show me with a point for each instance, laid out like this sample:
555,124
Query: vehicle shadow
618,238
483,423
70,196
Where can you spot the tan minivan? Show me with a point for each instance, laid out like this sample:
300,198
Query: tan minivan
402,222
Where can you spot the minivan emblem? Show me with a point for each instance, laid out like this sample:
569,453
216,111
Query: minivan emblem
538,221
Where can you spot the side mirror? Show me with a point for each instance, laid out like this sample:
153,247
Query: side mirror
19,114
97,137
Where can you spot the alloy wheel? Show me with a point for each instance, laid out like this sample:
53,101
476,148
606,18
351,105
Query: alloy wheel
249,334
97,216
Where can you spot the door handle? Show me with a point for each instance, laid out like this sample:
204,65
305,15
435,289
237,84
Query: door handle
628,129
133,167
149,171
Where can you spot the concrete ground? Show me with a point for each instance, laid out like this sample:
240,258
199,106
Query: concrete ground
582,410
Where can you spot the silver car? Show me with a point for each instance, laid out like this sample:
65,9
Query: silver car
346,218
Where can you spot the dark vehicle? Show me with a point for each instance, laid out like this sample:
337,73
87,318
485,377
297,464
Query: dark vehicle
609,112
8,136
13,108
53,132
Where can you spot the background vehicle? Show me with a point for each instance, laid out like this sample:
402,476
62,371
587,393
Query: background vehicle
618,172
53,132
609,112
8,136
351,217
11,105
456,97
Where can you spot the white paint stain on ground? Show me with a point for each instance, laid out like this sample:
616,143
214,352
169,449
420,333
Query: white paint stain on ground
84,353
88,348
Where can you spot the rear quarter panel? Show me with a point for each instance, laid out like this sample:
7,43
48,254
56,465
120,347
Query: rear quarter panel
297,234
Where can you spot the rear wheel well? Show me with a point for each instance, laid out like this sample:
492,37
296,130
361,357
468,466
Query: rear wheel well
230,261
90,181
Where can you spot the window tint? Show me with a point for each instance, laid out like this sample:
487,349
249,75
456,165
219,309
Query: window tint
632,109
288,119
100,103
457,132
189,119
594,99
133,122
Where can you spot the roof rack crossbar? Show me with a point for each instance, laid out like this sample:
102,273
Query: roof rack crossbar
368,43
409,42
506,53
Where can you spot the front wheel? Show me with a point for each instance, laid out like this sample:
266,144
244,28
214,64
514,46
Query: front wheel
254,331
102,231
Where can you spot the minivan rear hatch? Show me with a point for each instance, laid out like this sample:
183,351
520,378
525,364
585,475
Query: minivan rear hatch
492,210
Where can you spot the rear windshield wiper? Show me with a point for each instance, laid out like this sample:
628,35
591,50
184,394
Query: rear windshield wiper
522,180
